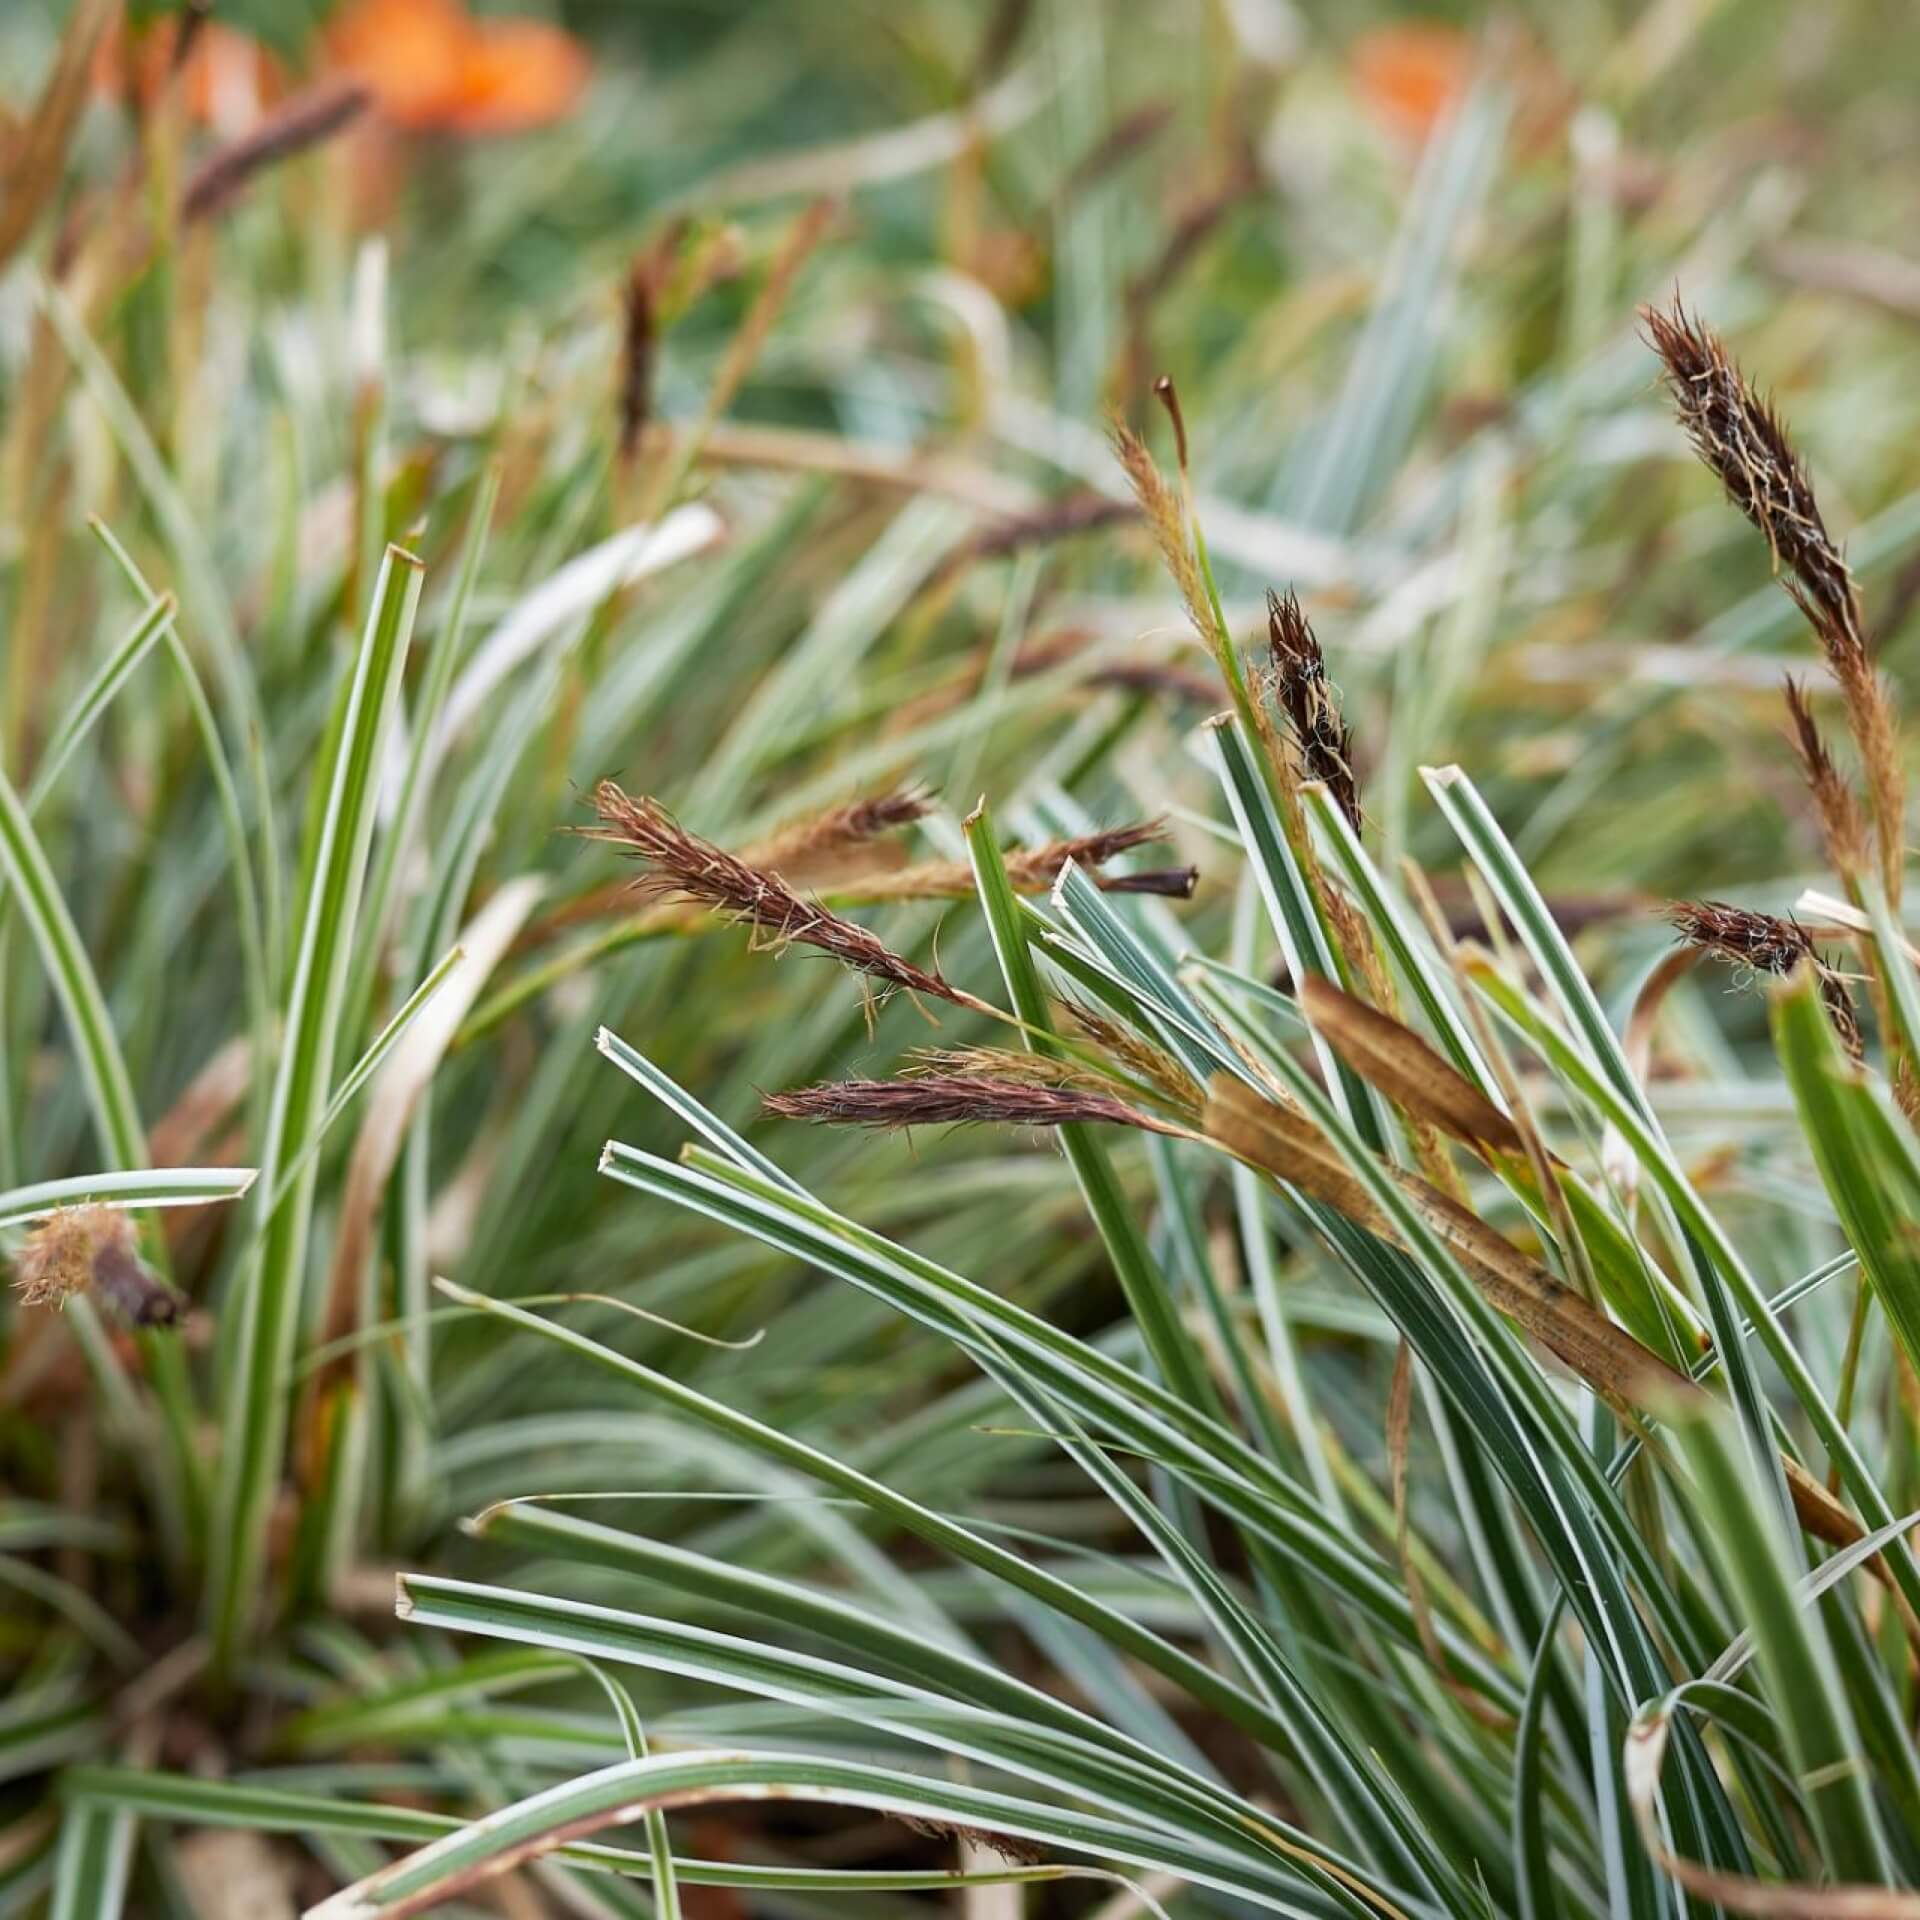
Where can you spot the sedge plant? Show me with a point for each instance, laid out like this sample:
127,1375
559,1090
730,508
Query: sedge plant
1393,1457
1621,1616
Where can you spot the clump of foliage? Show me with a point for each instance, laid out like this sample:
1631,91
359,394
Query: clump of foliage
384,520
1635,1619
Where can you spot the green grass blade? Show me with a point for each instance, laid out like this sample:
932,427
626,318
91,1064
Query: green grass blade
156,1187
92,1862
268,1302
1144,1285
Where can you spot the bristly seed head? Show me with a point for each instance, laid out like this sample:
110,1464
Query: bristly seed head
91,1249
949,1099
1322,740
686,867
1740,438
1755,943
1841,825
1035,869
1166,521
842,834
1760,942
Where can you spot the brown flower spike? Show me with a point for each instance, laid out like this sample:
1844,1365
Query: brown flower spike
1322,740
948,1100
1740,439
1764,943
686,867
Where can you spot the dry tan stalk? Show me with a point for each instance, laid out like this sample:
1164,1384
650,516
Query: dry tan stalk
303,121
37,154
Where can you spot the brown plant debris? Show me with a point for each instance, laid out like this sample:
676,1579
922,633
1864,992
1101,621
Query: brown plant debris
91,1250
301,122
1009,1846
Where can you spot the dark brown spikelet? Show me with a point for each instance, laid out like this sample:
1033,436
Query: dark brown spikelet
1760,942
1170,883
1841,826
91,1250
1756,943
639,348
292,127
1740,438
952,1100
1322,740
685,867
1035,868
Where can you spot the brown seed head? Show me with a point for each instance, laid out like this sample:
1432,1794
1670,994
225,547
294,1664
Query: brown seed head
1165,520
685,867
1035,869
842,834
1755,943
1322,740
944,1100
1841,825
1759,942
1739,437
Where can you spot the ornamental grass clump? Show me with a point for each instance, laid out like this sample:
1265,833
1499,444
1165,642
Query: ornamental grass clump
1278,1344
1624,1612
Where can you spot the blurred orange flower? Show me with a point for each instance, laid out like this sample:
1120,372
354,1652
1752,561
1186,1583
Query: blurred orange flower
433,67
1410,74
